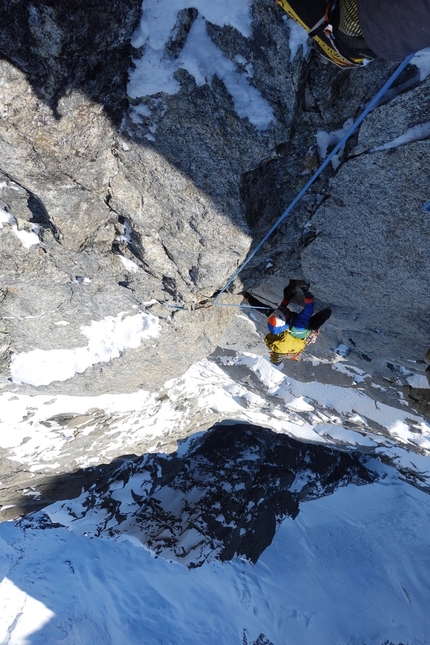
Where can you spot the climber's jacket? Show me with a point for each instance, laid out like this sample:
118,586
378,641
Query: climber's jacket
299,322
394,29
285,344
291,342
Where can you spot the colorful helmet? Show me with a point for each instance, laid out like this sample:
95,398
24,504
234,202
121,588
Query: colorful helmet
277,322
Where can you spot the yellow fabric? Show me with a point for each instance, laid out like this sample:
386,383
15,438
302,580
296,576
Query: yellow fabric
335,56
284,343
348,22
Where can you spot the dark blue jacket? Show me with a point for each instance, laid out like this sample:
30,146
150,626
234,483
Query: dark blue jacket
395,28
300,322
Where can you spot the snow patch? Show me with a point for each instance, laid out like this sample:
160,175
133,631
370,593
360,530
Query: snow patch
298,38
343,350
415,133
27,238
325,140
30,615
107,339
420,381
154,71
129,264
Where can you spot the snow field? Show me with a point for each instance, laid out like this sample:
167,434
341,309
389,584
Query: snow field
352,568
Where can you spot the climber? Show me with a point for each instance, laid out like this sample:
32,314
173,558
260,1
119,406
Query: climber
289,332
351,33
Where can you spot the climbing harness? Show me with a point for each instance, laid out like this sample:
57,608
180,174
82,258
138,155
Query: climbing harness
337,32
373,103
313,336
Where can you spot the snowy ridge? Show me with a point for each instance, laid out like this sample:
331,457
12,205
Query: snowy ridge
315,412
225,495
351,568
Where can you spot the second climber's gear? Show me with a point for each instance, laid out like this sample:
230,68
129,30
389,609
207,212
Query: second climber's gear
335,28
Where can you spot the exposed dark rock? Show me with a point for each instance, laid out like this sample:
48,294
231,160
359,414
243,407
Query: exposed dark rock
419,399
66,46
225,497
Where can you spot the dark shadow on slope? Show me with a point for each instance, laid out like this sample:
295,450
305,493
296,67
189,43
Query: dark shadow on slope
31,494
63,45
223,494
40,215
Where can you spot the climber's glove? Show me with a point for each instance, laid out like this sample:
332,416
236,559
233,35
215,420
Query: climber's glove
306,293
288,293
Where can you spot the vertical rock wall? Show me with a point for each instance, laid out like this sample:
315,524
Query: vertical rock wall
115,200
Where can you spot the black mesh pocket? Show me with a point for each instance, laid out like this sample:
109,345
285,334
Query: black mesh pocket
348,19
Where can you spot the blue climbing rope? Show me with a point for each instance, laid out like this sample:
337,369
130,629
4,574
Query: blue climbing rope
373,103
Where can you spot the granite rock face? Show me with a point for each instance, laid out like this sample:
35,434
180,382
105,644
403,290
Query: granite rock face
113,204
371,252
66,46
361,234
118,223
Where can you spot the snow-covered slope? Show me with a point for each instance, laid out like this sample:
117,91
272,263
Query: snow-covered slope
350,568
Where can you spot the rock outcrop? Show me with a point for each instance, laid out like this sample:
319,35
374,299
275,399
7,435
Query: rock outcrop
371,250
